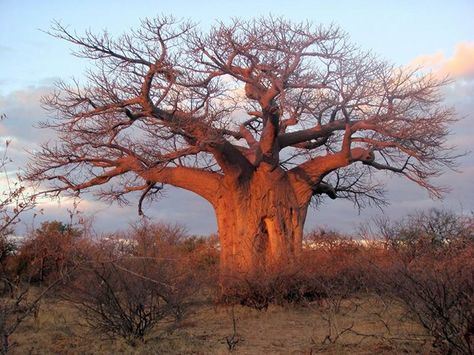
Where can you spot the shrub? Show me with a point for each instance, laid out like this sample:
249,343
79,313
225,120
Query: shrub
116,302
438,290
51,252
425,230
431,273
332,267
137,283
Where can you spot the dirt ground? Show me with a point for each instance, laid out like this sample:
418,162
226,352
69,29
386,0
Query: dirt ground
356,326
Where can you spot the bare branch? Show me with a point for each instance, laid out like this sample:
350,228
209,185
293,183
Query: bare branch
248,96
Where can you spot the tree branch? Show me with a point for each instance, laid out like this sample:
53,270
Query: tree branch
205,184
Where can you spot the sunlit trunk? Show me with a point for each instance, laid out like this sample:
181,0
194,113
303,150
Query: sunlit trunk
260,225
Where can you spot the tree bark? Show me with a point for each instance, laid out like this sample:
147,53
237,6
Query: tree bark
260,220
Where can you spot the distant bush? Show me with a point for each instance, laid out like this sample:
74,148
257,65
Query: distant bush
50,252
7,278
425,230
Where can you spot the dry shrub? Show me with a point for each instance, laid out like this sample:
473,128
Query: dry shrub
20,305
426,263
13,310
332,267
437,288
148,279
115,302
339,264
277,286
411,236
51,252
432,274
7,278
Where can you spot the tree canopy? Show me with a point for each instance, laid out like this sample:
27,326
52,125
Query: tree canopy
169,104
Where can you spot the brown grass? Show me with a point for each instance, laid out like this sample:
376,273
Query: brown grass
362,326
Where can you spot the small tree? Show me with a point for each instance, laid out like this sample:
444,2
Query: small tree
258,117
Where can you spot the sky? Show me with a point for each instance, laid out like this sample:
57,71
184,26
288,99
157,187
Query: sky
436,34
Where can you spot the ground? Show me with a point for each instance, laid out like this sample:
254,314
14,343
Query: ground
365,325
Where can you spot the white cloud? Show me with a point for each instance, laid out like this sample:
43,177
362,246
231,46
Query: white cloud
459,65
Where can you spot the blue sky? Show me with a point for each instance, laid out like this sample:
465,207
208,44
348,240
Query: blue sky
398,31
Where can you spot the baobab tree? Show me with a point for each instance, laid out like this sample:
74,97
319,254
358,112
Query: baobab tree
257,117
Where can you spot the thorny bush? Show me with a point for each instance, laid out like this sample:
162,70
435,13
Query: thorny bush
150,278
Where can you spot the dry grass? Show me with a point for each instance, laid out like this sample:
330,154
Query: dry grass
361,326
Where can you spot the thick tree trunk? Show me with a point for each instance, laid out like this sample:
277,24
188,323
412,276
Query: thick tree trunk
260,221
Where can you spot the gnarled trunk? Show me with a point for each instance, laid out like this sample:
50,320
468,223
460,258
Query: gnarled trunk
260,221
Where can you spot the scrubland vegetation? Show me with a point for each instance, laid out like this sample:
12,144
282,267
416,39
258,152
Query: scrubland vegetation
155,289
260,118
